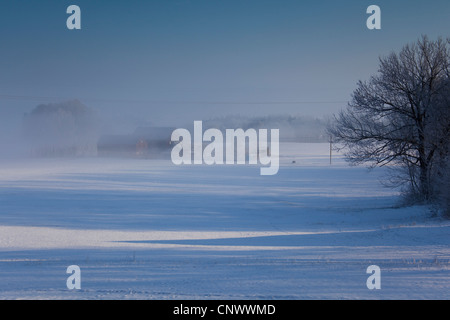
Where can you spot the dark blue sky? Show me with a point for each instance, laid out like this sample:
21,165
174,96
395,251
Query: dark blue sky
169,62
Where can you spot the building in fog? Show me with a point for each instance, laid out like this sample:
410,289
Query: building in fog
145,142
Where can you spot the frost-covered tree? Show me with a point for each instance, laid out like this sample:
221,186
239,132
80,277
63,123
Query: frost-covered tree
443,186
400,116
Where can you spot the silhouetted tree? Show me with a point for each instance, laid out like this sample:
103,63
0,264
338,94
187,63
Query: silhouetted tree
401,115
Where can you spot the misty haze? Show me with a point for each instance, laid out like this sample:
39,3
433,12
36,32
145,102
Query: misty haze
89,185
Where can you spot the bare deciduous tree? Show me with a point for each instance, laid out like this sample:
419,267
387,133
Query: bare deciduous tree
401,115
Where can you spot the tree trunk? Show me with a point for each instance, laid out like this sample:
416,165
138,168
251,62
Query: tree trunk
423,179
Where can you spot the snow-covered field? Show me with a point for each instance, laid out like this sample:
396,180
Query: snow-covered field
146,229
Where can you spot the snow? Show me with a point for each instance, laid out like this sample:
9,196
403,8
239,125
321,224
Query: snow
147,229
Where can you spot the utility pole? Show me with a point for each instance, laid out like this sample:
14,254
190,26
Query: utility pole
331,144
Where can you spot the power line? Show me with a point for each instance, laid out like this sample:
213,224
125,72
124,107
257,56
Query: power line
203,102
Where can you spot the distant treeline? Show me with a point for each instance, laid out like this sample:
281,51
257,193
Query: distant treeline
292,128
61,129
70,128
